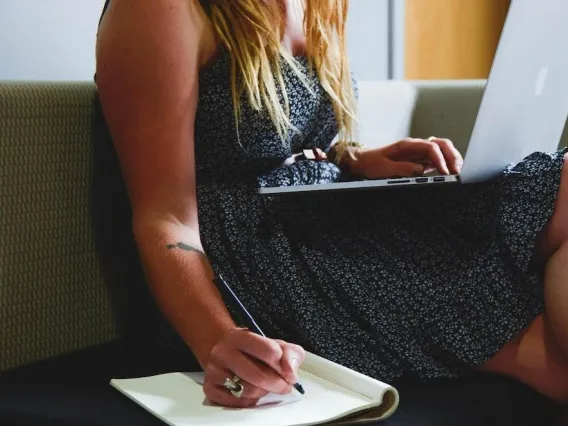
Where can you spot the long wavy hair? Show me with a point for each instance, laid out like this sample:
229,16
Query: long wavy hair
251,31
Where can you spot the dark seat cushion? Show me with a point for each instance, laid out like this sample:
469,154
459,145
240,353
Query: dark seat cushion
73,390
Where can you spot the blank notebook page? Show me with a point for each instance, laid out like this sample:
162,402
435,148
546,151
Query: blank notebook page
178,399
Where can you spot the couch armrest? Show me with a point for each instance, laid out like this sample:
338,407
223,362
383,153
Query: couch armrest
52,296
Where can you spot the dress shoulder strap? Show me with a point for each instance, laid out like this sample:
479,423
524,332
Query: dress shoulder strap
105,7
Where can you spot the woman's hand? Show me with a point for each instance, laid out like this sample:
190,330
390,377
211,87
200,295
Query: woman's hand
409,157
263,365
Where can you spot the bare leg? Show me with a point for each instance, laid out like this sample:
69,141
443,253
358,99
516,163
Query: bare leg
536,359
539,356
556,295
556,232
554,248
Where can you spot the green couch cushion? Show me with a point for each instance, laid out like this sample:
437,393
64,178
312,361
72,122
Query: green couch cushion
52,296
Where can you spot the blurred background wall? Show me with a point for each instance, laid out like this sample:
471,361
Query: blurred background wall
387,39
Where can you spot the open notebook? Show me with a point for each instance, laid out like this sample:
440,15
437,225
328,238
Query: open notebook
334,395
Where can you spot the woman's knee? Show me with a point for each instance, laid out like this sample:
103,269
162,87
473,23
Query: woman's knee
556,231
536,359
561,210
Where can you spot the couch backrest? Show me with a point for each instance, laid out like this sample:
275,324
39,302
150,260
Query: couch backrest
449,109
52,296
385,111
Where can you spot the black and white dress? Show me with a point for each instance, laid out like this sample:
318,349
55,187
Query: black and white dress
424,283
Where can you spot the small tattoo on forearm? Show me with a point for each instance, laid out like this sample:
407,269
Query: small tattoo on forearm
184,247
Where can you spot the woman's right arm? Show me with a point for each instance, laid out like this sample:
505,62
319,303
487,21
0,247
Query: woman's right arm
148,57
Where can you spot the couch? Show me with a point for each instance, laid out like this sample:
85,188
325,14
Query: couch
61,338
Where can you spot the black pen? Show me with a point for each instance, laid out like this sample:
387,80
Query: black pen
245,317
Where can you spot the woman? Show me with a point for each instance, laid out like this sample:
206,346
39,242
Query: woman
206,101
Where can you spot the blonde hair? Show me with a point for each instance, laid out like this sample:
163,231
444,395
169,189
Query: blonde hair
251,31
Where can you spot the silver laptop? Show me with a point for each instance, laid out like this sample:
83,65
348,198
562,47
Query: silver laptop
524,106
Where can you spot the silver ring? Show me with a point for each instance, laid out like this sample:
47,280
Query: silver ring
234,386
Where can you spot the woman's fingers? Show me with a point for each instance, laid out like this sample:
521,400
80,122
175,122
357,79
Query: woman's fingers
253,358
262,365
382,163
453,157
220,395
258,374
319,154
217,377
258,347
419,150
255,373
292,358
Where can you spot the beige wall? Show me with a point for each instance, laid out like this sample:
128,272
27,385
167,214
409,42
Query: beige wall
452,39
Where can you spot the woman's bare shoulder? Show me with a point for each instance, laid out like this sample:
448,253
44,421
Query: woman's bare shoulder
159,14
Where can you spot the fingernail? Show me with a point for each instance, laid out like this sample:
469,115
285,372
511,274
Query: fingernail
418,170
294,363
310,154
